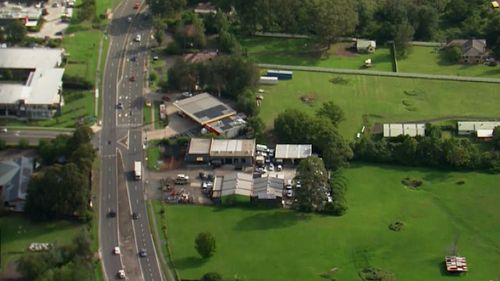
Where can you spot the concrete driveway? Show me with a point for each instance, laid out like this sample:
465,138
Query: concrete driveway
53,23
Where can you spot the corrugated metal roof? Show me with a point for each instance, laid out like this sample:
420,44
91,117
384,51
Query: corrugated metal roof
236,147
293,151
237,184
470,126
199,146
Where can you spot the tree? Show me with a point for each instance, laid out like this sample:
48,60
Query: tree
427,22
227,42
205,244
182,76
57,191
331,111
211,276
496,138
3,144
255,127
338,188
452,54
53,149
312,195
334,149
292,126
198,36
23,143
402,37
332,19
247,103
166,7
15,31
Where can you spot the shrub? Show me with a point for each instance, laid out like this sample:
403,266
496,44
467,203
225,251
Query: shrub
173,48
205,244
211,276
396,226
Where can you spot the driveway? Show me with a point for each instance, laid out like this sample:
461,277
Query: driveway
53,23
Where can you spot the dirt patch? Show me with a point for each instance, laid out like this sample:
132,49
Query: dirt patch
172,156
396,226
412,183
309,98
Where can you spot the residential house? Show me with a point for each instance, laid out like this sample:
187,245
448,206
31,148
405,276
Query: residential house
366,46
473,50
15,176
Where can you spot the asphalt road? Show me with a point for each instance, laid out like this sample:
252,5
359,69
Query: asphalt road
32,136
121,144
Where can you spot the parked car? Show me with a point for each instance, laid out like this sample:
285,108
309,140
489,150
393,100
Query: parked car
135,216
121,274
138,38
132,78
181,179
279,168
119,105
4,130
289,193
129,19
186,94
111,213
143,253
165,98
133,58
270,167
116,251
202,175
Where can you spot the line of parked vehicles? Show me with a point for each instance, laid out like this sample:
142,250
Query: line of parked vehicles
265,161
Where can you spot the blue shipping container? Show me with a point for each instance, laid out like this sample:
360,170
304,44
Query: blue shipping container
280,74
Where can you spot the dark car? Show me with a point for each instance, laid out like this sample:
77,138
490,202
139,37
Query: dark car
133,58
111,213
165,98
132,78
135,216
143,253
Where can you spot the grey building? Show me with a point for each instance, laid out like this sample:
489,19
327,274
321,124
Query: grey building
240,152
31,82
15,176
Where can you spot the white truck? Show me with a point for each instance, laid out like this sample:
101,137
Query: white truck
138,170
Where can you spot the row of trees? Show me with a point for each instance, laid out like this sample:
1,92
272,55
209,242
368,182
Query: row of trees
62,187
320,130
428,151
61,263
319,191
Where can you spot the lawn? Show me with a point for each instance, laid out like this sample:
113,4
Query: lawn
282,245
83,49
427,60
18,233
302,52
154,155
380,99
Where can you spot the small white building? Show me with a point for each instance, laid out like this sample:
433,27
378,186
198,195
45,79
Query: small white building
471,127
292,152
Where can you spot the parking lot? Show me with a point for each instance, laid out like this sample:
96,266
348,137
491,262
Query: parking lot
53,27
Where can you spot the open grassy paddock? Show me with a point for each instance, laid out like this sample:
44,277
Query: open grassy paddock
449,212
18,233
303,52
380,99
427,60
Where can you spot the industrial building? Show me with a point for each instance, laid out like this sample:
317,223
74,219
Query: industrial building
29,15
409,129
15,175
292,152
238,152
33,89
212,114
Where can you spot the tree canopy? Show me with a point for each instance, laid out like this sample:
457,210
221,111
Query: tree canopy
312,193
205,244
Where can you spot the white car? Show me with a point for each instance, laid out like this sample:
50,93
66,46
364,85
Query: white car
289,193
129,19
4,130
279,168
138,38
116,251
186,94
182,176
121,274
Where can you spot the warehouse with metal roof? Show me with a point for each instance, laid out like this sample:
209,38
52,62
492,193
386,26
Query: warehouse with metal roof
204,108
221,151
480,128
292,152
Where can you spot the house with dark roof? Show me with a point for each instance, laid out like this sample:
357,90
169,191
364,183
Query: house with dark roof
15,176
473,50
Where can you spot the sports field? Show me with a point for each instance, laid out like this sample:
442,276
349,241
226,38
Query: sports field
303,52
381,99
440,218
427,60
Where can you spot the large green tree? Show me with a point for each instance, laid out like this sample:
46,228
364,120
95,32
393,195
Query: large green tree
58,191
311,196
332,19
331,111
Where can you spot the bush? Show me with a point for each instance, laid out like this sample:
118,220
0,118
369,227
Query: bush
452,54
211,276
396,226
173,48
153,76
205,244
376,274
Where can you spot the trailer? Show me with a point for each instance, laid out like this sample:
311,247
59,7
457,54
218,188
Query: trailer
137,170
280,74
268,80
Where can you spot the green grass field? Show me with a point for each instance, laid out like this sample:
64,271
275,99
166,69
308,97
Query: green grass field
282,245
381,99
83,49
18,233
427,60
302,52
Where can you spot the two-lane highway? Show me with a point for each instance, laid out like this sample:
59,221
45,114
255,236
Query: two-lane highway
121,145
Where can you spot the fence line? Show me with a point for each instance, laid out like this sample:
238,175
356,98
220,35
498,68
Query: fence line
382,73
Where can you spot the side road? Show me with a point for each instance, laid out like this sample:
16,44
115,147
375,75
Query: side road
381,73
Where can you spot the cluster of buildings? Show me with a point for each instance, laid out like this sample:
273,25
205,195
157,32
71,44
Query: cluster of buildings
29,15
31,82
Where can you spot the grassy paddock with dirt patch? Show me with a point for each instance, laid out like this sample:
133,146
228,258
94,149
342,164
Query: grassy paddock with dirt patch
379,99
428,60
304,52
440,218
18,233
